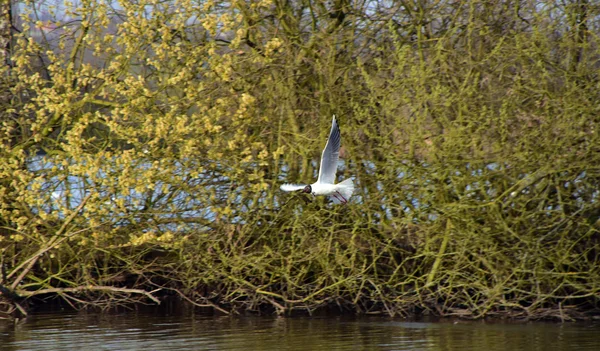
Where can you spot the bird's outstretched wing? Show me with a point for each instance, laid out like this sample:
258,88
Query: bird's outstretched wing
292,187
330,155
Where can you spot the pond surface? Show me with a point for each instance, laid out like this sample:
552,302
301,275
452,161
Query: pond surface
158,330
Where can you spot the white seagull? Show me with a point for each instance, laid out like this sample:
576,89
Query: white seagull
324,185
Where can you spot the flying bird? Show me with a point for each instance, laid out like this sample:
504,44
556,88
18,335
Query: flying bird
341,192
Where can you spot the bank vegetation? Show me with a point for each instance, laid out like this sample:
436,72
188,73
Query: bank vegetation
143,144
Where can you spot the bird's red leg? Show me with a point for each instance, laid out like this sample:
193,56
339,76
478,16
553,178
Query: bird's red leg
343,200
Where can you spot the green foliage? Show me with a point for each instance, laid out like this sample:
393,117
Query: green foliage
143,146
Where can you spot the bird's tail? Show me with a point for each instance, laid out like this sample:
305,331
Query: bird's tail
345,189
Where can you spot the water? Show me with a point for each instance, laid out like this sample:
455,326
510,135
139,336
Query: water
161,331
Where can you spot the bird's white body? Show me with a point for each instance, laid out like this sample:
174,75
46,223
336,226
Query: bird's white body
341,192
323,189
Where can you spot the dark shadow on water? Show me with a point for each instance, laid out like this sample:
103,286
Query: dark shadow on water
171,327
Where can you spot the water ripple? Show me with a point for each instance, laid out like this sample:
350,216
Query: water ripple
159,331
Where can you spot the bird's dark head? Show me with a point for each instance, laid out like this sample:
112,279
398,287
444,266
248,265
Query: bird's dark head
307,189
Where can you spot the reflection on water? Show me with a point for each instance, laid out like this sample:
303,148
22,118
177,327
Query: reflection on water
162,331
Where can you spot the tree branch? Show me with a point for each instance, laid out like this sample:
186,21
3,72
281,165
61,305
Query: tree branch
108,289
